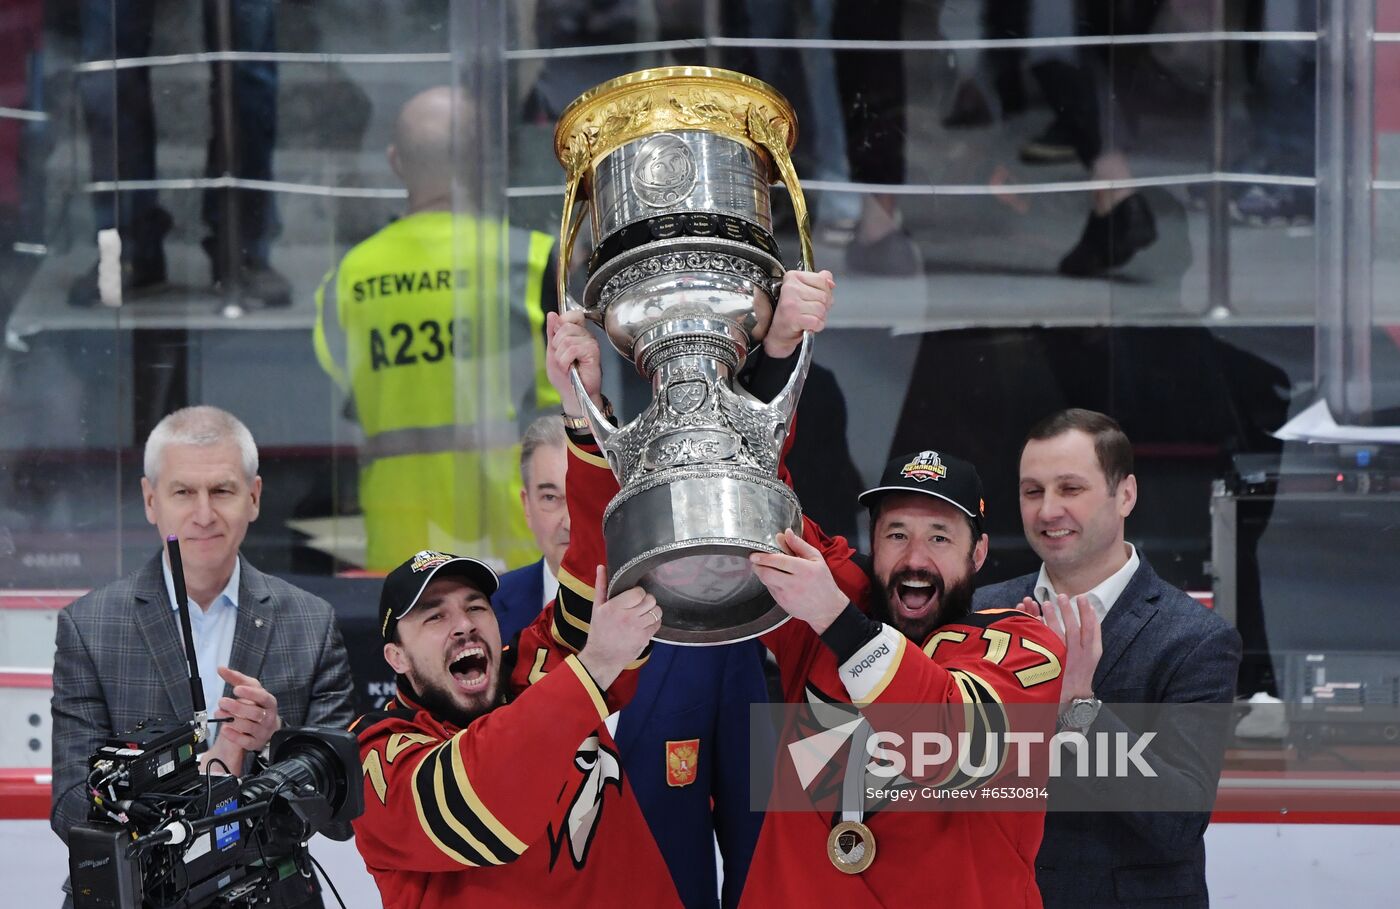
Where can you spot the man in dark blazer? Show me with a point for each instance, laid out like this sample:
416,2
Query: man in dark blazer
684,737
268,653
521,597
524,591
1158,646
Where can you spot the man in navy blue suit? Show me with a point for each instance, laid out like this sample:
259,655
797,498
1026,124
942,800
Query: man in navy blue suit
525,591
1155,645
684,737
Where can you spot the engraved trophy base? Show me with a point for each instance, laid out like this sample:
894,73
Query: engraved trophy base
699,569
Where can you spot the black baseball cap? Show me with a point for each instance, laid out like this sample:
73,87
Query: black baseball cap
936,474
404,585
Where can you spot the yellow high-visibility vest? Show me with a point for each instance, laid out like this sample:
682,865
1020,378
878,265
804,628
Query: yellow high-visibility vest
413,327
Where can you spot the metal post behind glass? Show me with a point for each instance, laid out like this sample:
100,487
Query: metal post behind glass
1218,216
481,165
227,255
1346,101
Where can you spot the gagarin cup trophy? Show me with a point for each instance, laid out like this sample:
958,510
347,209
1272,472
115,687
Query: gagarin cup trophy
674,166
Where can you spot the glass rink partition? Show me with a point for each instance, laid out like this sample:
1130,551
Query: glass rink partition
1182,214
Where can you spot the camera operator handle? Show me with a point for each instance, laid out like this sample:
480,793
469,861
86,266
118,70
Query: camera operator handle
182,604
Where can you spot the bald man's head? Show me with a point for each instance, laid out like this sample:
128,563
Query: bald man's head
423,134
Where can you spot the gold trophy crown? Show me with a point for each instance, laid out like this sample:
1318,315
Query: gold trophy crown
664,98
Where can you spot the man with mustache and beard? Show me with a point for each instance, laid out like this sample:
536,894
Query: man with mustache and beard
904,634
851,648
491,790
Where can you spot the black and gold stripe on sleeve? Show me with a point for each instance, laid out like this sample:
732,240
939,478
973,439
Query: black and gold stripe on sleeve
452,815
573,610
581,445
984,722
573,613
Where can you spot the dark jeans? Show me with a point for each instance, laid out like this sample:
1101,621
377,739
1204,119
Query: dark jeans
121,122
1283,104
1098,98
872,90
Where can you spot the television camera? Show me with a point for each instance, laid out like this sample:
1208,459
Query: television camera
163,834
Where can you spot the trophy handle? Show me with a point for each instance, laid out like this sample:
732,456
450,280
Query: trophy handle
569,225
765,134
785,404
799,207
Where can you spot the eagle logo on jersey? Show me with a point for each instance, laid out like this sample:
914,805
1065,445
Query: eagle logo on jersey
601,767
925,466
682,762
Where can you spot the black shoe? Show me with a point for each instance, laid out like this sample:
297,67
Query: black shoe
1011,91
260,283
1111,240
1055,145
893,255
969,108
144,274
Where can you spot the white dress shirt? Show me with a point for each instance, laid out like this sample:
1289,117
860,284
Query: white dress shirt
1101,597
551,585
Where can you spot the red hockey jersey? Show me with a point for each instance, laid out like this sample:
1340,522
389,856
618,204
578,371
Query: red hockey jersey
527,806
955,858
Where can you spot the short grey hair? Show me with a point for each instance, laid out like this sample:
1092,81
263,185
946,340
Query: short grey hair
202,426
544,432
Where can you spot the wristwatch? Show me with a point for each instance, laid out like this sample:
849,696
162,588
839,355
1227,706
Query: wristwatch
580,424
1081,713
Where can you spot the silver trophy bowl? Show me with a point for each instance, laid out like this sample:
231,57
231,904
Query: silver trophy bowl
677,164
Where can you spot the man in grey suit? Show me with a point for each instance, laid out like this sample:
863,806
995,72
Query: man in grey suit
1158,646
268,653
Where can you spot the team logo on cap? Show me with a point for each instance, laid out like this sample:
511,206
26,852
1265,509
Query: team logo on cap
925,466
428,559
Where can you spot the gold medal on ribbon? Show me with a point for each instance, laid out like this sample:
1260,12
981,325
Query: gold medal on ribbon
851,847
